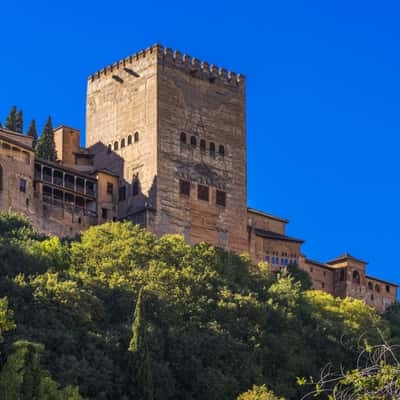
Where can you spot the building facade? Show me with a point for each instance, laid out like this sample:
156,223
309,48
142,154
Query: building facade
166,148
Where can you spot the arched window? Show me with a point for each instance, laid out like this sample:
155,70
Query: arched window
221,150
212,149
129,140
202,145
193,141
377,288
136,137
356,277
183,137
122,143
109,148
370,287
388,288
1,178
115,145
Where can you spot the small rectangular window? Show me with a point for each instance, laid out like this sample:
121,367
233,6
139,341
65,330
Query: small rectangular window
220,198
110,188
22,185
122,193
203,192
104,213
184,187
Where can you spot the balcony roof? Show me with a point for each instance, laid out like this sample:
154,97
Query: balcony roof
264,214
276,236
64,168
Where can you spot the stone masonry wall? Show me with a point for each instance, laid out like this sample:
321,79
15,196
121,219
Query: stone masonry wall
206,104
121,102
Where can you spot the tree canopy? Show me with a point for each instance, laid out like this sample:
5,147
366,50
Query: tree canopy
46,147
32,132
120,314
11,120
19,122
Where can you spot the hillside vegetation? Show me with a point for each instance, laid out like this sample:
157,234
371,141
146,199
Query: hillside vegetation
120,314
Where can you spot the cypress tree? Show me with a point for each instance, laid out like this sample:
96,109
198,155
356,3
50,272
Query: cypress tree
19,122
21,375
139,359
23,378
46,147
11,119
32,132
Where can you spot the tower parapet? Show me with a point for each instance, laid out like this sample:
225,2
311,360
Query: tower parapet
200,69
166,56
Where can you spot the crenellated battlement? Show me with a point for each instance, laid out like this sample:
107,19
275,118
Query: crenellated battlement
150,52
166,56
200,69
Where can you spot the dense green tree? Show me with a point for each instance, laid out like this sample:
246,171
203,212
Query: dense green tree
23,378
46,147
32,132
392,315
139,360
19,122
300,275
11,120
14,226
6,317
208,324
258,393
377,377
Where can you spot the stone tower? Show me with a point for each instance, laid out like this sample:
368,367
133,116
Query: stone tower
173,129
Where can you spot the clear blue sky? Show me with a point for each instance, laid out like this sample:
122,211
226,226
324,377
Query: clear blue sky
322,97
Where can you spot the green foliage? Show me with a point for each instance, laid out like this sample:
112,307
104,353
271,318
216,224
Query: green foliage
258,393
23,378
51,253
6,317
208,324
139,359
300,275
377,377
15,226
392,314
19,122
32,132
46,147
384,383
11,120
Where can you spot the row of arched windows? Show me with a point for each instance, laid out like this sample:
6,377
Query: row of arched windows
120,145
203,145
357,280
377,287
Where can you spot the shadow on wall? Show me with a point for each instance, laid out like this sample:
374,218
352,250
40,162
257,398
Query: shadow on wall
132,200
